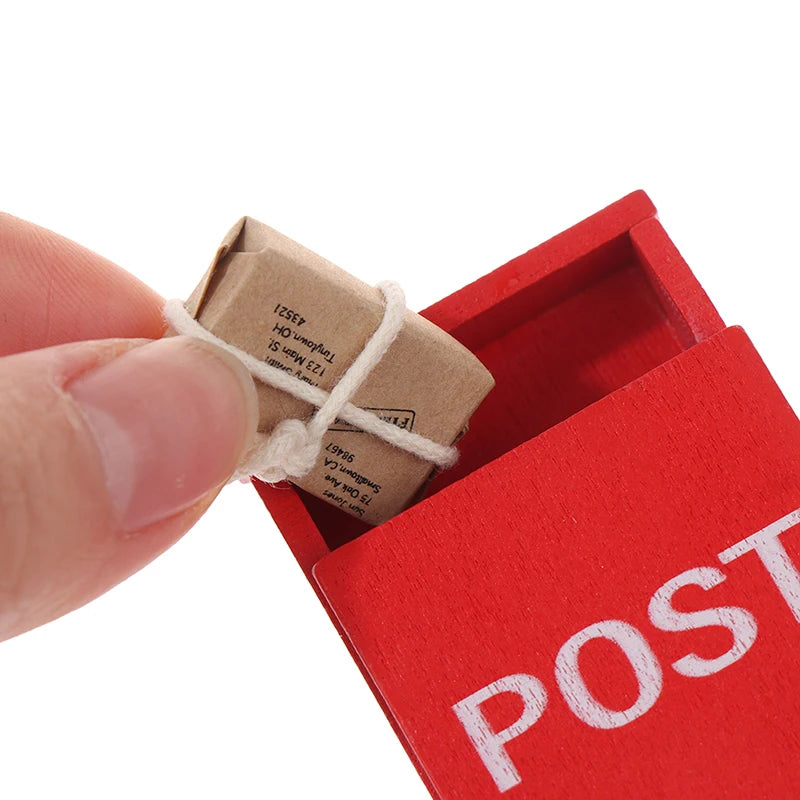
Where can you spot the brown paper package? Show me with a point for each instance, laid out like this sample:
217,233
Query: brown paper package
289,307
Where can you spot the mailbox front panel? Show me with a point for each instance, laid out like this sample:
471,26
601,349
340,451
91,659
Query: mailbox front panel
586,616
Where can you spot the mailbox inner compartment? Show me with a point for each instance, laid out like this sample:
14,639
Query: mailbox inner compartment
558,338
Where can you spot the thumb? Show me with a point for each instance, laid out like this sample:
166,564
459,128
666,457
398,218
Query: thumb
109,452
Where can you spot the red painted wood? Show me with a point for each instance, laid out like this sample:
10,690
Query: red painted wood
539,294
690,314
563,359
583,523
630,437
537,279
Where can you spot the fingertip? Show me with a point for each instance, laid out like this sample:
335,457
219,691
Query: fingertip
171,420
55,291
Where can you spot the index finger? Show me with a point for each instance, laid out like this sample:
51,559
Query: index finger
53,291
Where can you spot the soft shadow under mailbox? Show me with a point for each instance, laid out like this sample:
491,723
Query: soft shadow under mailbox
530,627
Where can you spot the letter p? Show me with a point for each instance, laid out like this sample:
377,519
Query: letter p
491,744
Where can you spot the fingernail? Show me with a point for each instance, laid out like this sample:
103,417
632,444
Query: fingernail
171,420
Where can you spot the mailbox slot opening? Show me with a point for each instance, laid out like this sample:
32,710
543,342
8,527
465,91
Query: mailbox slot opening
559,341
554,350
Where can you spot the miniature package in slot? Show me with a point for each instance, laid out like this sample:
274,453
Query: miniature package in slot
279,302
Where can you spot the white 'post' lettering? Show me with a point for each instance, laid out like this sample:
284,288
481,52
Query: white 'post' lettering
774,557
491,744
738,621
637,651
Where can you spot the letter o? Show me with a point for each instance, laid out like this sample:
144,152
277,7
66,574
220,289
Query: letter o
639,654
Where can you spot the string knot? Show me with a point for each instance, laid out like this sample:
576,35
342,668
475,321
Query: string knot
289,451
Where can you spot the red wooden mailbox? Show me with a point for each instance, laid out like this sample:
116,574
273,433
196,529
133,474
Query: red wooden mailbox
601,599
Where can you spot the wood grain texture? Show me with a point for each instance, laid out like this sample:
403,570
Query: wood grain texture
631,437
581,524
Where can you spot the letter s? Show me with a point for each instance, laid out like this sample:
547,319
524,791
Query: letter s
738,621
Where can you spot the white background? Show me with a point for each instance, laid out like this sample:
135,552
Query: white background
419,141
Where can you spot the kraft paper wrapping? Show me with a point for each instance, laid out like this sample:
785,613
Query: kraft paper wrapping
289,307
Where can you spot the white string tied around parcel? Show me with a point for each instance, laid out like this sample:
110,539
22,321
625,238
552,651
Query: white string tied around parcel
292,448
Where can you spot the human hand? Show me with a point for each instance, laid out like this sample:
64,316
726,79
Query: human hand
111,445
